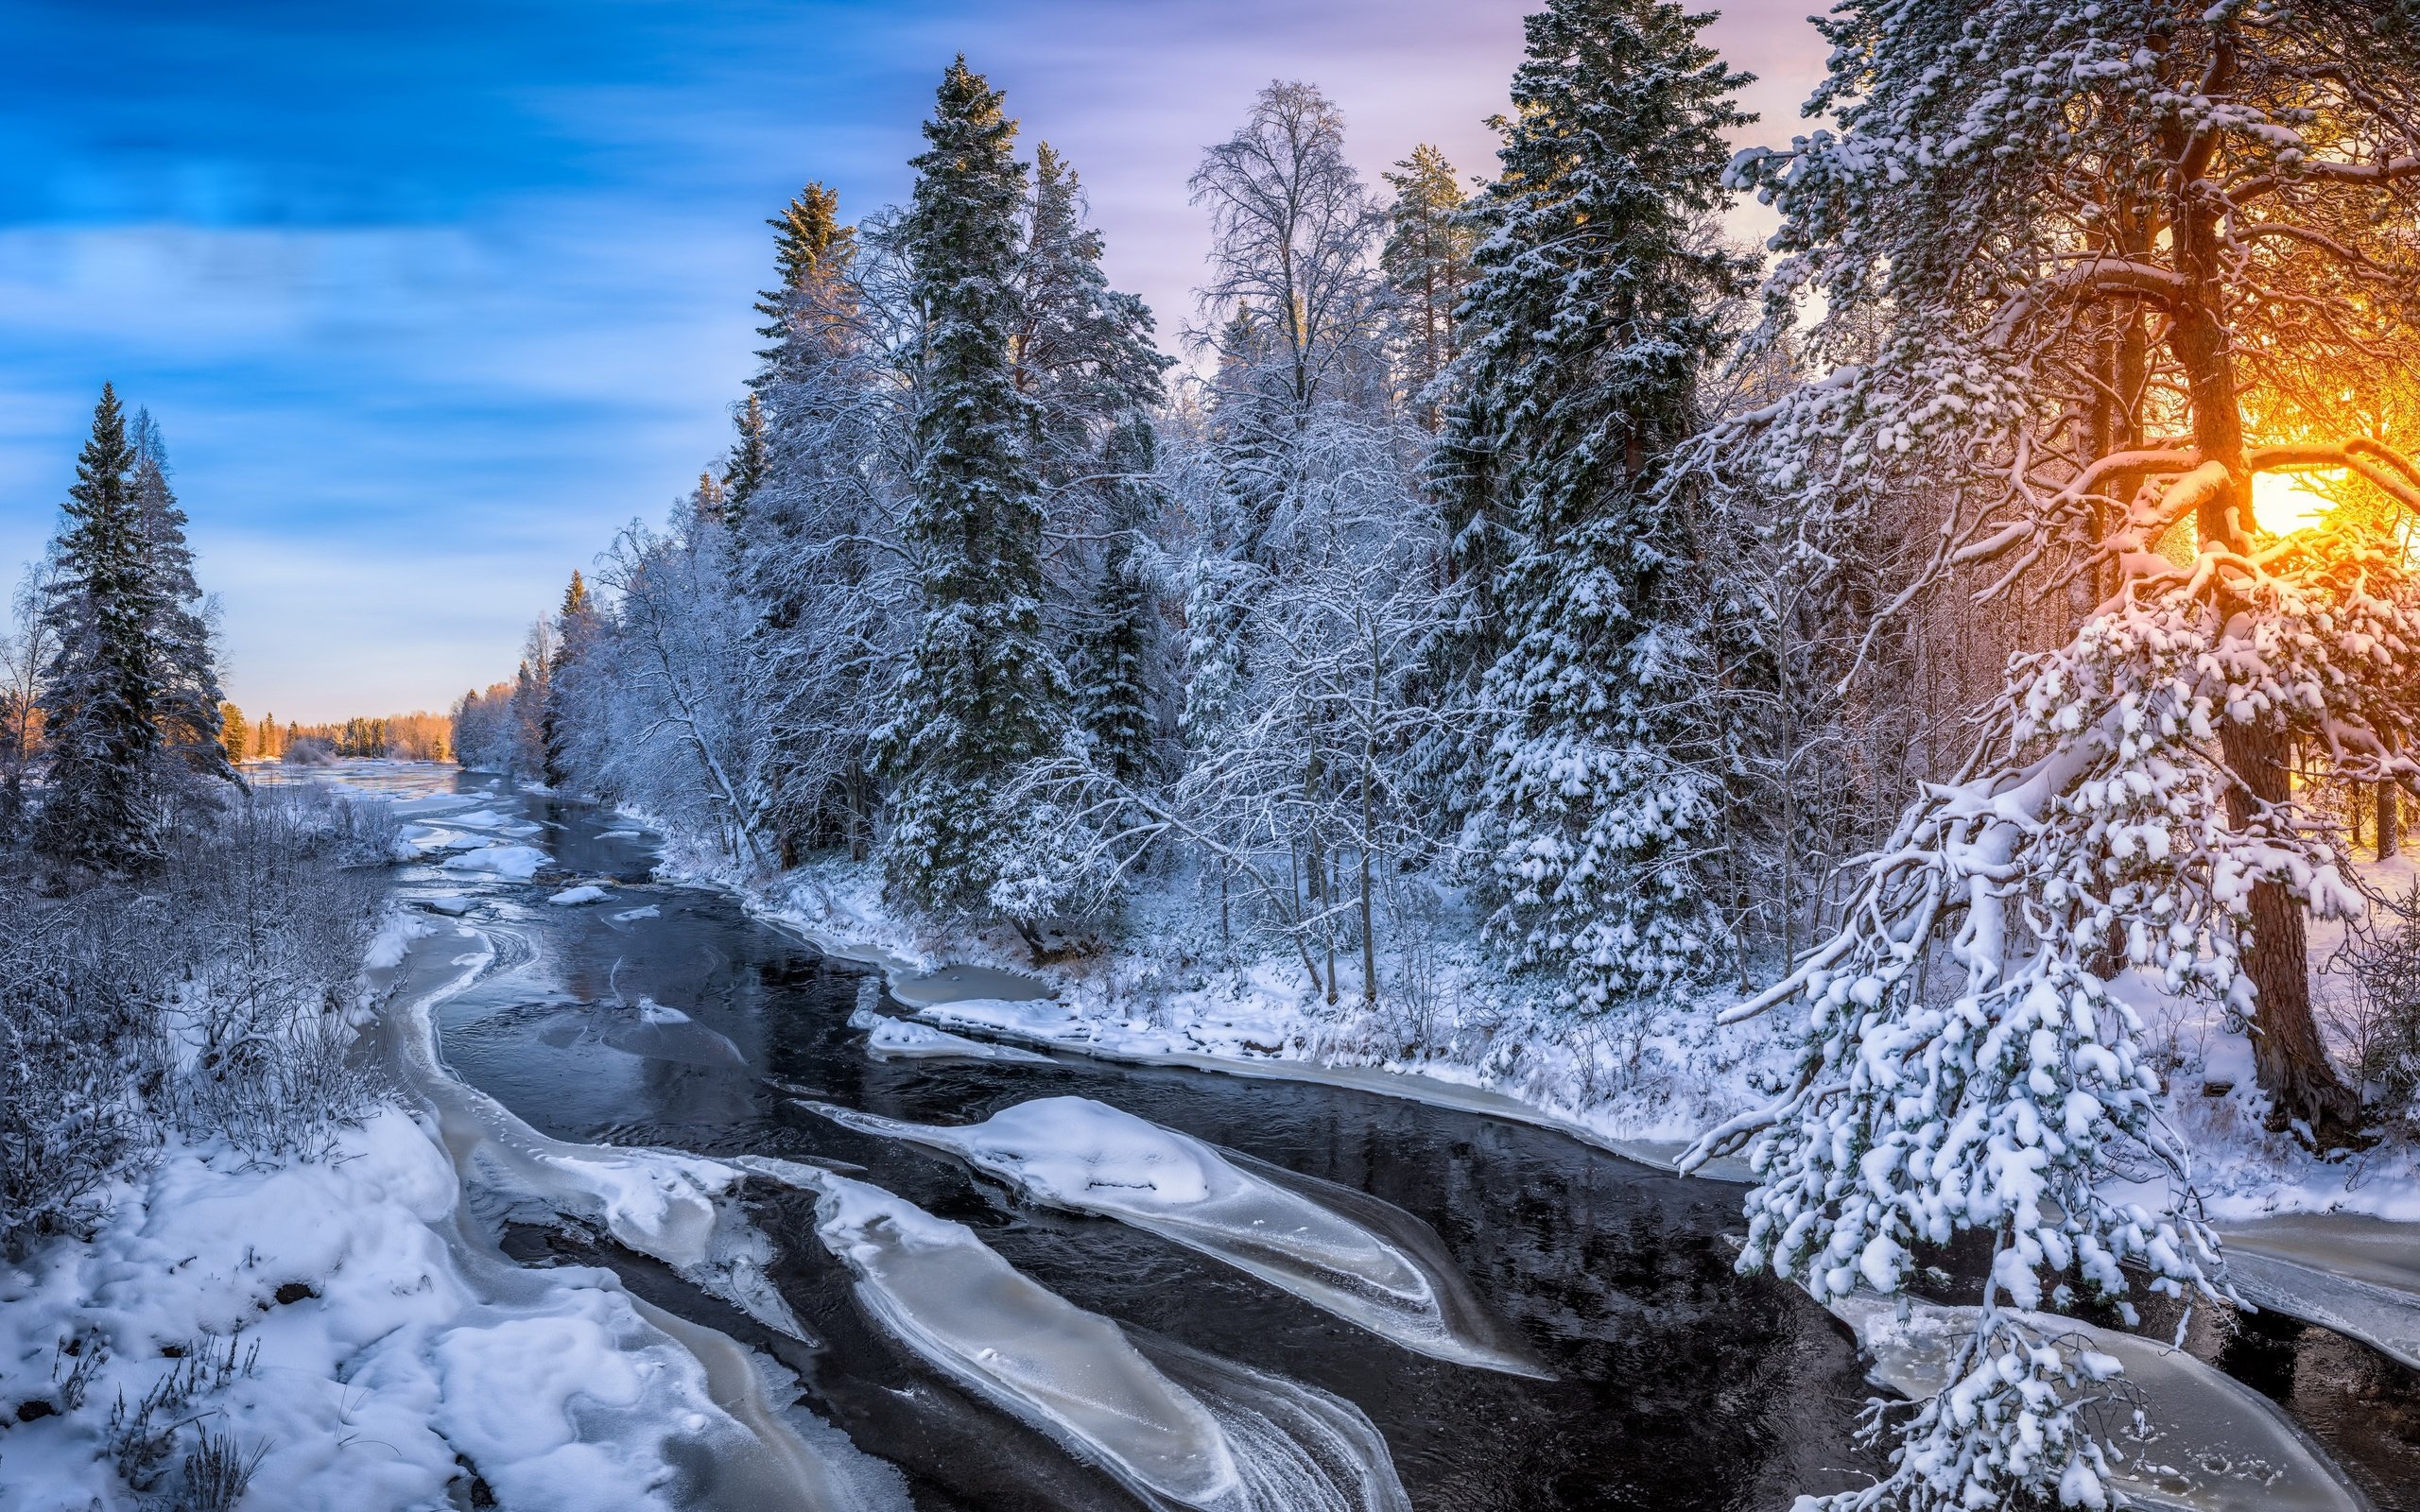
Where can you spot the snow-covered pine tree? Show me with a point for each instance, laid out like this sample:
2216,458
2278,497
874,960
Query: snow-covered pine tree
1594,307
574,630
1084,356
810,248
101,696
1116,696
1428,261
2086,269
983,695
744,469
822,554
184,647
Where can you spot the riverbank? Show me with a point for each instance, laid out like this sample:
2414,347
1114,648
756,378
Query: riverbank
311,1334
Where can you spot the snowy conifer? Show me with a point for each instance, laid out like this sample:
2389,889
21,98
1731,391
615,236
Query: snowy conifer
182,645
744,469
1592,312
1116,693
983,695
101,696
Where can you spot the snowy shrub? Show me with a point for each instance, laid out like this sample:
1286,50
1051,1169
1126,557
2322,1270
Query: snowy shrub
310,750
210,999
2379,1030
276,906
79,1046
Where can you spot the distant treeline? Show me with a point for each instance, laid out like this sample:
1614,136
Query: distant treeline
418,736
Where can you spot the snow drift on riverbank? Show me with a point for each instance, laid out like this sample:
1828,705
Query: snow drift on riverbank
316,1315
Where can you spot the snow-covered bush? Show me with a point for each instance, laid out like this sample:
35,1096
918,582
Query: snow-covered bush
211,1000
2379,1030
80,1044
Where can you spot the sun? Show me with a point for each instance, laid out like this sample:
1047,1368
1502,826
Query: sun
2282,502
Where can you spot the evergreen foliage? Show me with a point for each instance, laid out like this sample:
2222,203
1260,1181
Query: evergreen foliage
983,692
1428,261
1116,705
102,696
184,655
1594,305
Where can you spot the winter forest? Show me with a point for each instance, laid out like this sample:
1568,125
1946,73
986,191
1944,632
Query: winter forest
1899,733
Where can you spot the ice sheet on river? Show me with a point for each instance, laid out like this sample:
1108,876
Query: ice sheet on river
2354,1274
2214,1445
1076,1153
889,1038
1237,1441
649,1029
661,1203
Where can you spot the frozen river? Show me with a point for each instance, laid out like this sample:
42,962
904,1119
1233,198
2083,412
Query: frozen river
1586,1343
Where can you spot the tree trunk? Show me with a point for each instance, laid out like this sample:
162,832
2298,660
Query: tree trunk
2289,1059
2287,1056
1369,928
2390,828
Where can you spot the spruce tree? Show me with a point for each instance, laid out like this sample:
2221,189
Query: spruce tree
1116,705
101,701
810,246
984,694
233,733
183,649
1591,314
745,469
573,629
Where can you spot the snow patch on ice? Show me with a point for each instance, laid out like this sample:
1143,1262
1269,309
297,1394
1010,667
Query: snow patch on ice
515,863
889,1038
382,1354
573,897
633,915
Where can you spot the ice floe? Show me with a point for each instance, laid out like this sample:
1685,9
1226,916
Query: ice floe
661,1203
514,862
649,1029
1076,1153
889,1038
573,897
2213,1444
1246,1443
628,916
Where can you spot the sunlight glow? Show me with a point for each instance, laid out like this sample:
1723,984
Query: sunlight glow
2283,503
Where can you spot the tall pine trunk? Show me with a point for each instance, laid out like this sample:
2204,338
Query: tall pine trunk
2288,1057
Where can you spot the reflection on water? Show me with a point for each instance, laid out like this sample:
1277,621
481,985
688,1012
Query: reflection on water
1679,1385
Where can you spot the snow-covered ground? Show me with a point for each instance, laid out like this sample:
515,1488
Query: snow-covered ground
1461,1036
330,1318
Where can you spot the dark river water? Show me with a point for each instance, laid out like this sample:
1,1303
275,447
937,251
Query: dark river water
1678,1385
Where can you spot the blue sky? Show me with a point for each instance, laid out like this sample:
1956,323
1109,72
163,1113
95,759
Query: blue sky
429,298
